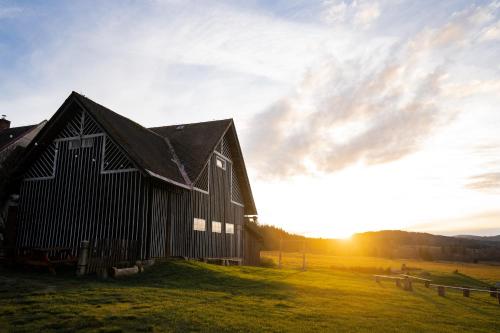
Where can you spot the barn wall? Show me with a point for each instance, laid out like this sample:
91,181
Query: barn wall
90,193
217,206
171,213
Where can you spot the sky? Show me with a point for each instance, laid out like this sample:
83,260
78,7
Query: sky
352,115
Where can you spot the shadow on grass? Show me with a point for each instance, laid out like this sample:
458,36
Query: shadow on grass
190,275
175,274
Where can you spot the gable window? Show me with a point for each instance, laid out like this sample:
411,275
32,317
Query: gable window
199,224
221,163
88,142
229,228
80,143
216,227
74,144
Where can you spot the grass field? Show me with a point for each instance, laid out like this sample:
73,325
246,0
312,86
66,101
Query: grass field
334,294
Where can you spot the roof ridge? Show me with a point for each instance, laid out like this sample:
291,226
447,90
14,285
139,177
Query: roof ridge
116,113
193,123
169,146
178,162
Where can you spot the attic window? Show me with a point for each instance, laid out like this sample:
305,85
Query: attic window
74,144
229,228
83,143
88,142
221,163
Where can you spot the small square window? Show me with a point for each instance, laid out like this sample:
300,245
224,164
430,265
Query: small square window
221,163
88,142
229,228
199,224
74,144
216,227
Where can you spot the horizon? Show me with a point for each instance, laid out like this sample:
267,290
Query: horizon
352,116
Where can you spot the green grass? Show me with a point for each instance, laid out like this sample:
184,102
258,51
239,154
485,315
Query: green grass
335,294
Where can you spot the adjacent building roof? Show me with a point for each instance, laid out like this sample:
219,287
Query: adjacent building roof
10,135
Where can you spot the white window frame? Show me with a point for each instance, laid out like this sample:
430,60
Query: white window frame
199,224
220,162
216,227
230,228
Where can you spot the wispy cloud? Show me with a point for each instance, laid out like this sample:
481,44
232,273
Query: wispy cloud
359,13
9,11
486,224
372,108
489,182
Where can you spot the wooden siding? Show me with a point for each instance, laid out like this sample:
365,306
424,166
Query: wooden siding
90,190
83,199
174,213
216,206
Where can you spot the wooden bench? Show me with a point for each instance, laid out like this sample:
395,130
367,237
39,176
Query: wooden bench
406,281
224,261
46,257
426,282
441,289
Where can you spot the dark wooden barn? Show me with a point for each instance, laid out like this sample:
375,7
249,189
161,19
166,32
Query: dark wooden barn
178,191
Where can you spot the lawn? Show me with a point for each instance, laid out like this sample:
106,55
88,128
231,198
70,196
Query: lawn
334,294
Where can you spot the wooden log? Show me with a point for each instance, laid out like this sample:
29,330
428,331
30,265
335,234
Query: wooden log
466,291
441,291
120,272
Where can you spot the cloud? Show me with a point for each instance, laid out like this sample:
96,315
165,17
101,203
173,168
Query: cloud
491,32
9,12
473,87
485,223
360,13
487,182
376,106
161,58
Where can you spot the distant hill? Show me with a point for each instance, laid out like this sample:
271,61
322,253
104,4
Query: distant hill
481,238
389,244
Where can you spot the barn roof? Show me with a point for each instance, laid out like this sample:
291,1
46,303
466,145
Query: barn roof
194,143
148,149
9,135
176,154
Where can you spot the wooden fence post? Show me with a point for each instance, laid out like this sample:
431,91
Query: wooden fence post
83,257
398,283
304,256
279,259
441,291
427,284
408,285
466,291
493,292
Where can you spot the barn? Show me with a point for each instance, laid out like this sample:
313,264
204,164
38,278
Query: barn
176,191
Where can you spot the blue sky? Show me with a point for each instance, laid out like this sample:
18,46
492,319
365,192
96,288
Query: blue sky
385,110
